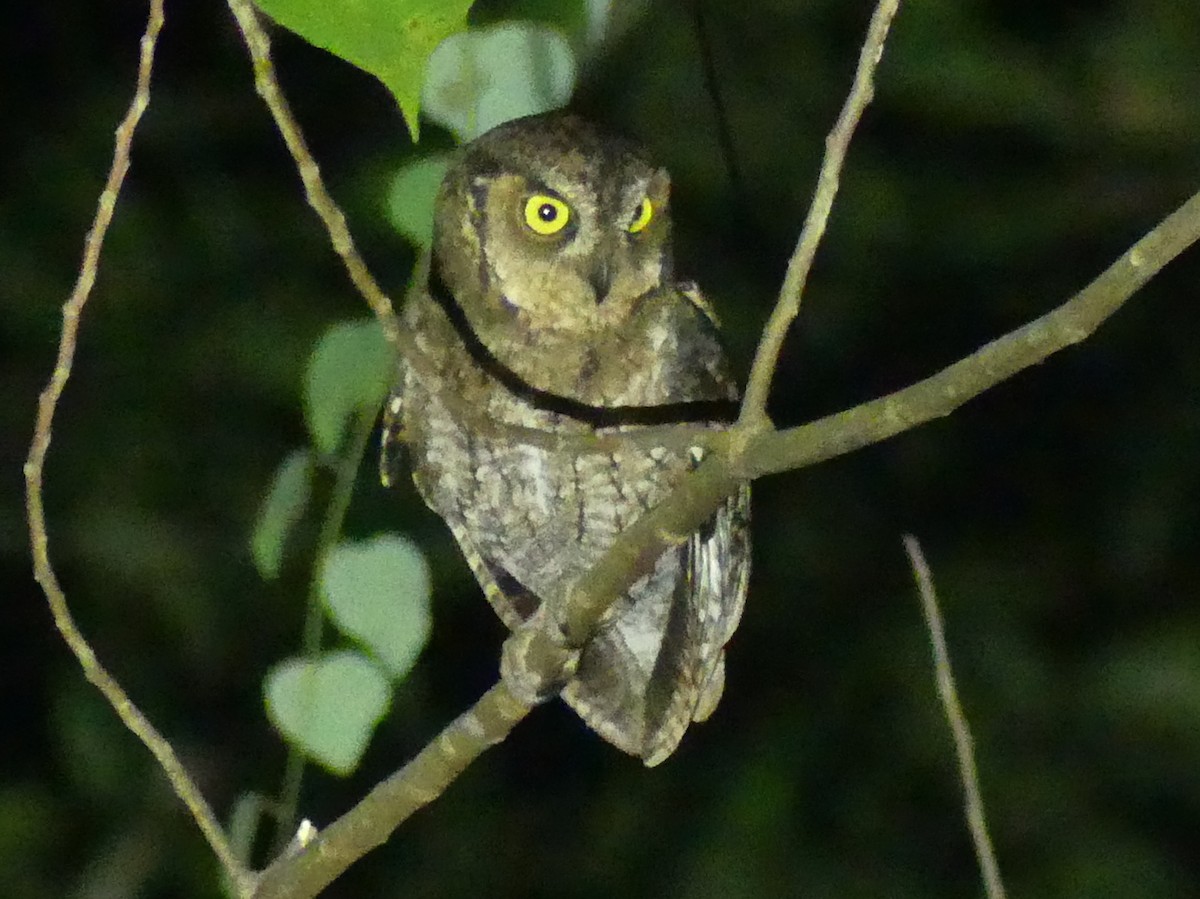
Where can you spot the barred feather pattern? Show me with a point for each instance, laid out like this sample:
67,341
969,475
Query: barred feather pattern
531,521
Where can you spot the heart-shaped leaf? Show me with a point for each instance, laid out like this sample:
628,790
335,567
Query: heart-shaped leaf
412,194
328,707
391,39
482,77
377,591
348,373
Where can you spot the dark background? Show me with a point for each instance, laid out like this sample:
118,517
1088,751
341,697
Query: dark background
1014,150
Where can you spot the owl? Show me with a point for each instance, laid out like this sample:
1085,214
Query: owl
548,302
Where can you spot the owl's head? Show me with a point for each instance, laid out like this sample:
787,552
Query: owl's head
547,220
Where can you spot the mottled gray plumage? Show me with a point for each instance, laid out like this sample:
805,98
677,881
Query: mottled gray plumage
578,330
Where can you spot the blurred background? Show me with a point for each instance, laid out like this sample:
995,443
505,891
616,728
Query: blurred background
1014,149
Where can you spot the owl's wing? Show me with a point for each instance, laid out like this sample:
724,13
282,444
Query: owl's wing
682,676
656,663
689,676
512,600
606,693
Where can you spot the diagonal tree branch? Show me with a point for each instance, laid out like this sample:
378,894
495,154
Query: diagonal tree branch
747,457
731,460
939,395
740,457
409,789
318,196
131,716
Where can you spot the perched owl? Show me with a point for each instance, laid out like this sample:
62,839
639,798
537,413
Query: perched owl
548,302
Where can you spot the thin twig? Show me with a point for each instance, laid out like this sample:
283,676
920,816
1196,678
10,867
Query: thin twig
754,405
346,466
318,197
713,85
132,717
963,744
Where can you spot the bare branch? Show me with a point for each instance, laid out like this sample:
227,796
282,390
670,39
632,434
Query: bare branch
735,457
754,405
963,745
131,716
732,461
775,451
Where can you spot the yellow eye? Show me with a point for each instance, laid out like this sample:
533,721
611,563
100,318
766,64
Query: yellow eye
546,215
642,216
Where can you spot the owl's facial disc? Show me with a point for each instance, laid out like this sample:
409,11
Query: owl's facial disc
565,240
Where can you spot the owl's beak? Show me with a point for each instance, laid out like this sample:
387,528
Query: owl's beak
601,280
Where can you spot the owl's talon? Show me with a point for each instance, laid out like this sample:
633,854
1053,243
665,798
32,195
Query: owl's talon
536,662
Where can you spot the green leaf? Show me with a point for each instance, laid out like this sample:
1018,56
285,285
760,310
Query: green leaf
328,707
411,197
482,77
391,39
348,374
282,507
377,591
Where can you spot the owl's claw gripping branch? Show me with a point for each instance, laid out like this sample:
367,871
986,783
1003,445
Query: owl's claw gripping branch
536,661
